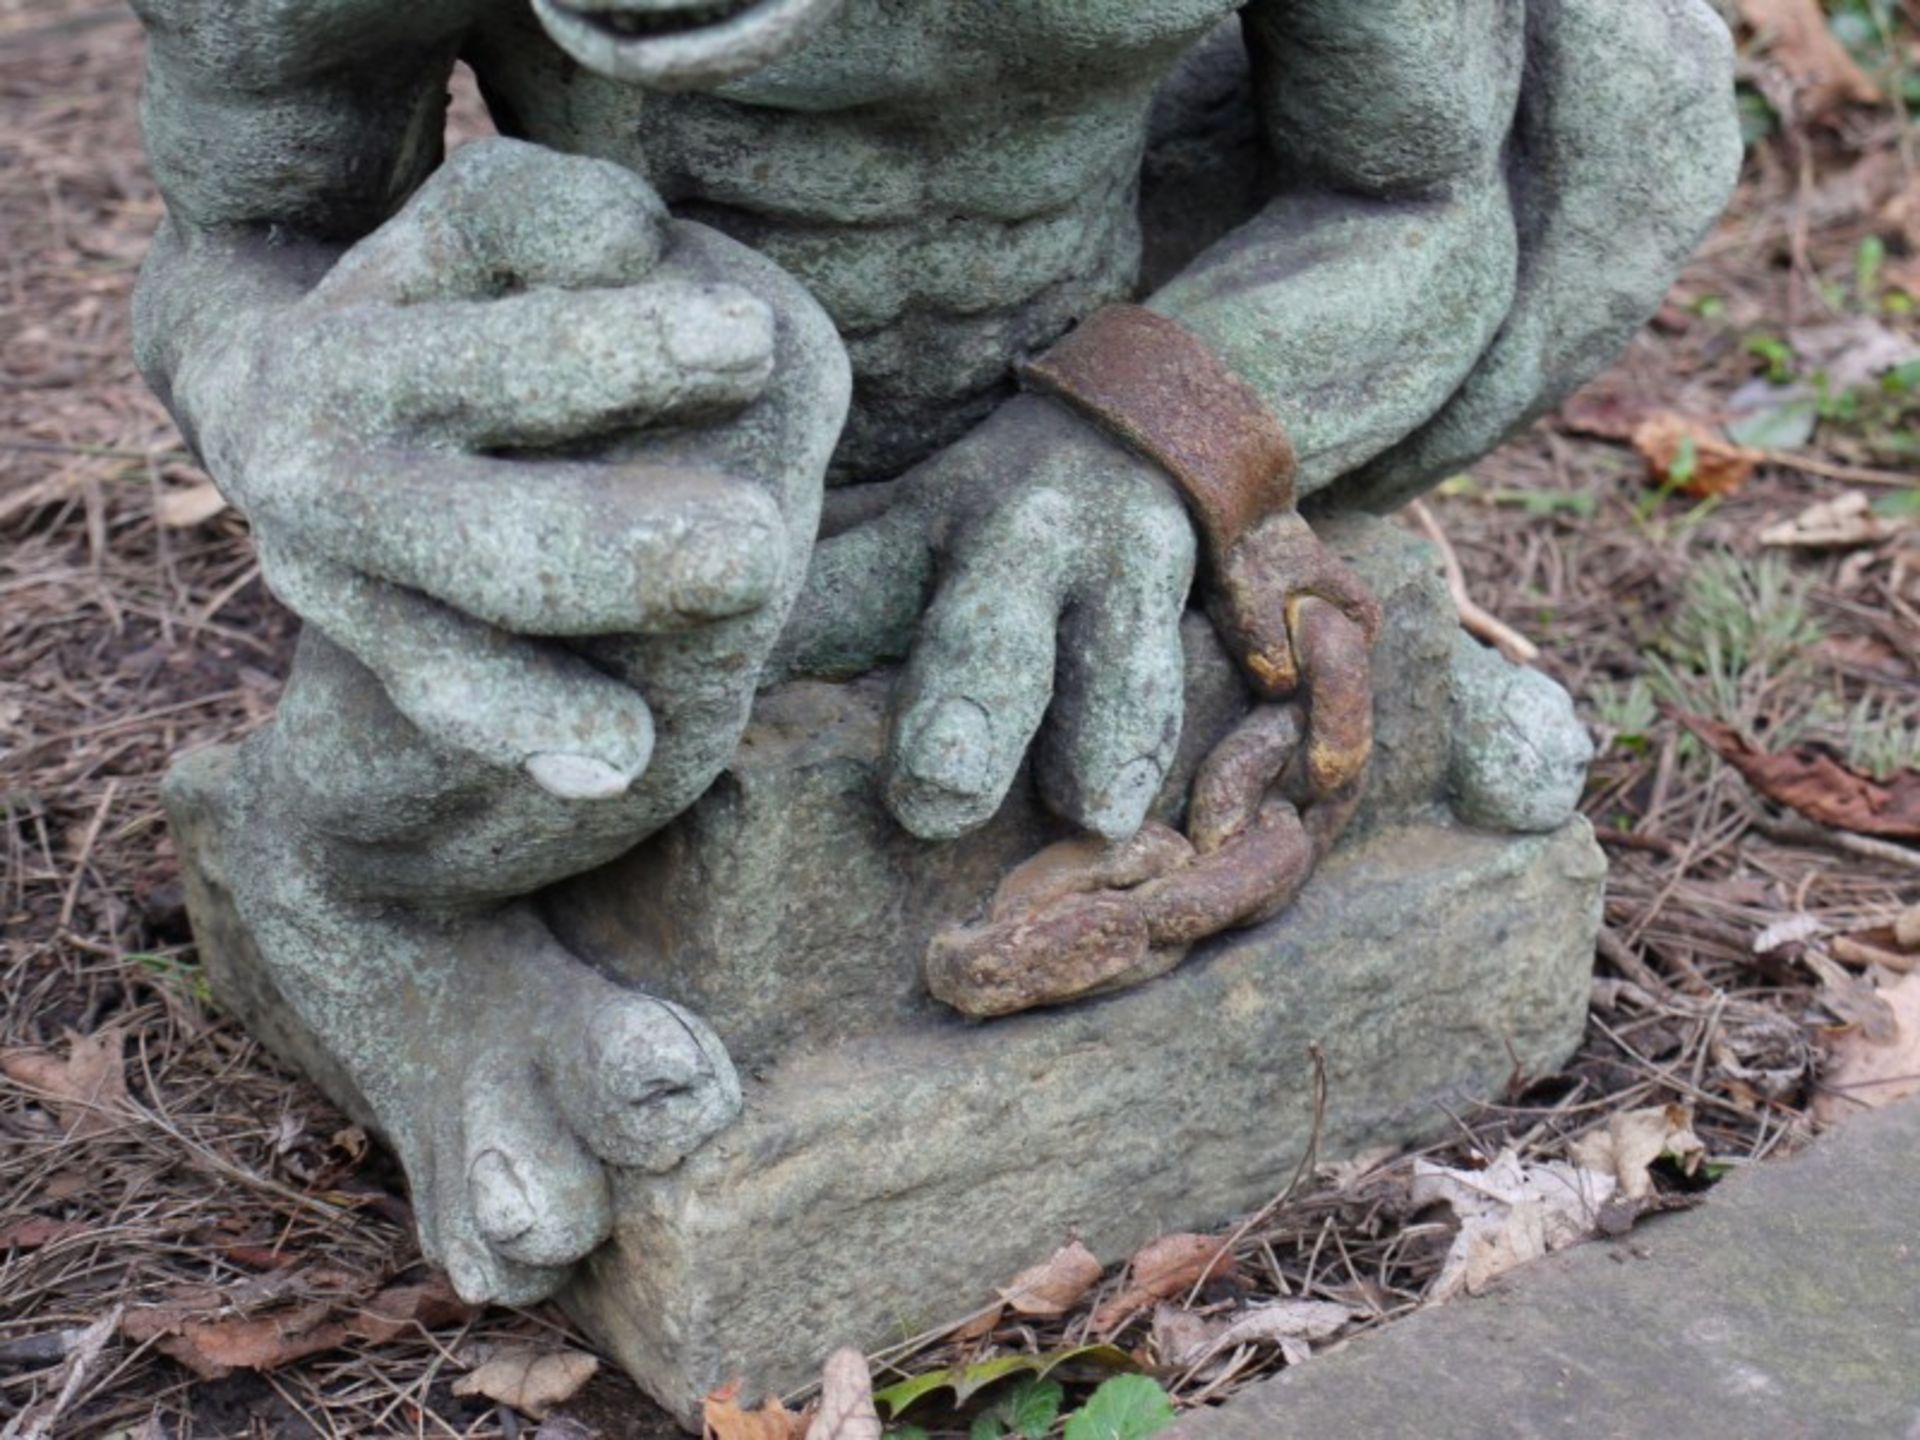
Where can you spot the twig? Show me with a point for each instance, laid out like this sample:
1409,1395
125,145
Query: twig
87,842
1853,474
1797,830
1479,623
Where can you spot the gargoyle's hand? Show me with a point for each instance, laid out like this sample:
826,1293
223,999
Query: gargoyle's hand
1034,574
531,406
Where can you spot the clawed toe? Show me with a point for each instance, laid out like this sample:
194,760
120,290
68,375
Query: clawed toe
646,1082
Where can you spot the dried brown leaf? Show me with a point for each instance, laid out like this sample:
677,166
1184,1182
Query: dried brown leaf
1290,1324
1817,785
87,1090
1798,38
187,506
1510,1213
192,1330
1852,1000
722,1418
1182,1337
1162,1269
1057,1284
400,1308
1862,1074
214,1349
1713,464
1627,1146
1842,523
37,1230
846,1410
530,1381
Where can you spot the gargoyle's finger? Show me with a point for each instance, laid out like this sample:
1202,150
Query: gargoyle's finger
500,215
1234,778
1253,875
515,703
1111,734
1338,673
542,368
979,679
540,548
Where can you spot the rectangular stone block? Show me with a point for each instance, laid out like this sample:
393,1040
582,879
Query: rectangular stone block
885,1183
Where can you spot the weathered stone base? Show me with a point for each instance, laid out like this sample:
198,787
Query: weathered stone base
884,1185
895,1162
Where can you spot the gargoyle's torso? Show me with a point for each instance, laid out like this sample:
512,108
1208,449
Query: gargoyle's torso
955,180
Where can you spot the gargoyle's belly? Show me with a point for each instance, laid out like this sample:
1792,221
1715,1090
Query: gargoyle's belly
936,312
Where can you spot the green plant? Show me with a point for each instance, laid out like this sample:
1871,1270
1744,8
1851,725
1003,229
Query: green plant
1027,1412
1742,627
1127,1407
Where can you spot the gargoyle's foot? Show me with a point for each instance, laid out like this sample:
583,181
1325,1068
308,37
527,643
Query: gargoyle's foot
1520,753
507,1074
558,1073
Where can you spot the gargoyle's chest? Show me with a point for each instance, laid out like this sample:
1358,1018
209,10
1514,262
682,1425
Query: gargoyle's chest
898,109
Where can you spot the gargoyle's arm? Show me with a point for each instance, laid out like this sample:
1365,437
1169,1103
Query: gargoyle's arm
1363,292
1478,202
279,133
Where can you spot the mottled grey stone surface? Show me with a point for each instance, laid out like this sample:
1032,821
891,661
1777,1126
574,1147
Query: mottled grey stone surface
1783,1309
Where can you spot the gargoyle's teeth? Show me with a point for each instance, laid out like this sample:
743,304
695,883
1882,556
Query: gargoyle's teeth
651,24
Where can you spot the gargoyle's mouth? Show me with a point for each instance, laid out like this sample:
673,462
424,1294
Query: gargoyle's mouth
681,44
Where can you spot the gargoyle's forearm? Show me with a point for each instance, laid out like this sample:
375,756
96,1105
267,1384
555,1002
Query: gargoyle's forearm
201,296
1354,319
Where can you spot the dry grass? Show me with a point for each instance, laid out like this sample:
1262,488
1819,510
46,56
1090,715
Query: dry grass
124,642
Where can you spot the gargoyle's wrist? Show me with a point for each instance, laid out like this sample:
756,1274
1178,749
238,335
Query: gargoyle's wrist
1153,385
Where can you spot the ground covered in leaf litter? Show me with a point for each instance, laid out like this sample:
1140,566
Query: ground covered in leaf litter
1714,547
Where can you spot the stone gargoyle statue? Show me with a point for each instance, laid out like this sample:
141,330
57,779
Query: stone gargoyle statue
1046,350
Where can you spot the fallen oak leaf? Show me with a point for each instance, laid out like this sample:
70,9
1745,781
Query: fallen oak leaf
87,1090
722,1418
1287,1324
214,1349
1632,1140
846,1410
1852,1000
1820,787
191,1331
431,1304
1184,1340
1509,1213
1181,1337
531,1381
37,1231
1863,1074
1162,1269
1053,1287
1694,459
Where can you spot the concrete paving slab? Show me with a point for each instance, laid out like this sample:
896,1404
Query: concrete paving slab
1787,1306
